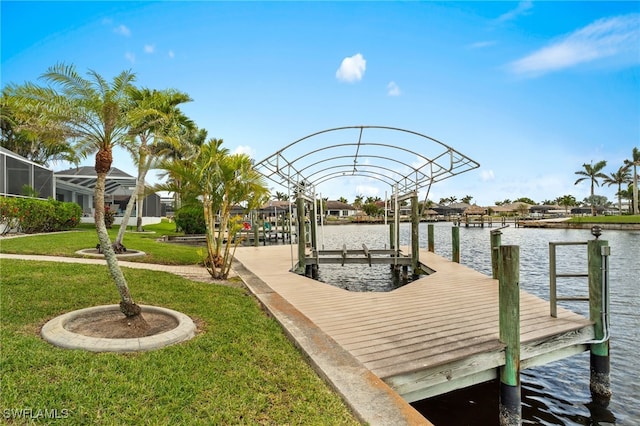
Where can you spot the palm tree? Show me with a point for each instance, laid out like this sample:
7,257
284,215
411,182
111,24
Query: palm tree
343,200
593,173
222,182
467,199
28,132
567,201
156,123
358,201
94,113
635,162
281,196
618,178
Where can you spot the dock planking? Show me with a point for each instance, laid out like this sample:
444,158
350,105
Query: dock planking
431,336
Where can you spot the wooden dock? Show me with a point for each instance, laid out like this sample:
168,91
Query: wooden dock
436,334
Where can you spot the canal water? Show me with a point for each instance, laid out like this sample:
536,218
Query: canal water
552,394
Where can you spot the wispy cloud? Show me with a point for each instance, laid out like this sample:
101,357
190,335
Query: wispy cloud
605,38
149,48
171,54
131,57
122,30
393,89
487,175
522,9
352,68
482,44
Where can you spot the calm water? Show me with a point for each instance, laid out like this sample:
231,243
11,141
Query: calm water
553,394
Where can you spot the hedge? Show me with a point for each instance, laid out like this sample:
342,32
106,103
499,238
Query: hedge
32,215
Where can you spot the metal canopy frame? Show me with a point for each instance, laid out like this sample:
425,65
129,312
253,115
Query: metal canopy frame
405,160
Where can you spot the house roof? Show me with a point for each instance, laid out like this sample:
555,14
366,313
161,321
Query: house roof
278,206
338,205
86,177
475,209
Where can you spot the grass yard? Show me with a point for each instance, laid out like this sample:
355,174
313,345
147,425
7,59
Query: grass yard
67,243
239,369
606,219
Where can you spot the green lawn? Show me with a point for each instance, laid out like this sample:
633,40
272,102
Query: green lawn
239,369
606,219
67,243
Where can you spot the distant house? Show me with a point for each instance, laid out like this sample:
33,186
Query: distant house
78,184
339,209
16,173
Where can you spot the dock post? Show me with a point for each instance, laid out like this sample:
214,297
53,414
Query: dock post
314,223
509,302
455,243
415,236
301,234
496,240
392,236
598,256
430,238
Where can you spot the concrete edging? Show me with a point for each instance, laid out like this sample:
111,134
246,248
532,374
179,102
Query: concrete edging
55,333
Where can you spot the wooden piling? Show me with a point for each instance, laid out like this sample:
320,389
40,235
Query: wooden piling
392,236
430,238
455,243
415,235
496,240
600,384
256,234
301,234
509,307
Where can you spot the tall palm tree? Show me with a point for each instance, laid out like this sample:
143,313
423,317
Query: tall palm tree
593,172
618,178
94,112
154,118
635,162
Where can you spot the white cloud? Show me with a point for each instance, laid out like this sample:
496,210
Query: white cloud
367,190
487,175
149,48
131,57
393,89
244,149
171,54
605,38
352,68
521,9
122,30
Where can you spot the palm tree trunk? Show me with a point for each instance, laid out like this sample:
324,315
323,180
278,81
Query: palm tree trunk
635,190
128,307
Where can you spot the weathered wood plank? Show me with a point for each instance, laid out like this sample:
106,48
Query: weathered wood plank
435,334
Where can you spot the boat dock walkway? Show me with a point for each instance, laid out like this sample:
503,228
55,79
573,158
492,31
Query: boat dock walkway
433,335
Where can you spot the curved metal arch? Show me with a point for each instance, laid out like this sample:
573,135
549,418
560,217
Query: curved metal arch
367,174
442,161
355,164
347,173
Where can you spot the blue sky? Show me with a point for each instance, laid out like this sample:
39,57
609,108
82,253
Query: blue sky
530,90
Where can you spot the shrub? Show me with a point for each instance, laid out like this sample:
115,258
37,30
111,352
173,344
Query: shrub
190,219
30,215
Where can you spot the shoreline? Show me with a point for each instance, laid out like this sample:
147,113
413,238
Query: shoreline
552,224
